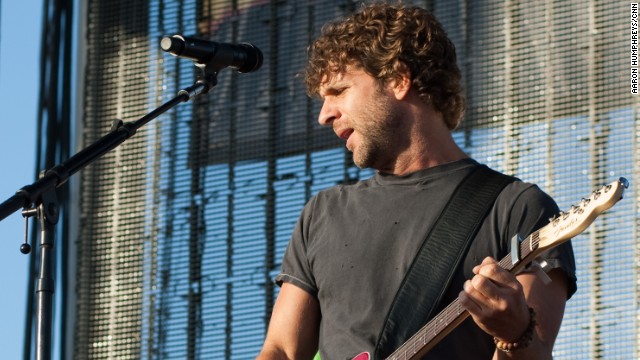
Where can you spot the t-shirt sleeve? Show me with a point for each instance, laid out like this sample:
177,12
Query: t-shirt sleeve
295,267
532,210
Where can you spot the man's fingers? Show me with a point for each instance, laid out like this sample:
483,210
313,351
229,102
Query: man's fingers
491,270
486,288
466,298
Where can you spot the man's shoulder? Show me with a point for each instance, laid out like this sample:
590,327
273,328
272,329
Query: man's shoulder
526,193
345,188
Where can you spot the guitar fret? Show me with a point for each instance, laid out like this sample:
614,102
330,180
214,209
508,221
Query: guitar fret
454,310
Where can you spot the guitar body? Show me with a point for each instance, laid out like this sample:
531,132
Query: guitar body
362,356
561,228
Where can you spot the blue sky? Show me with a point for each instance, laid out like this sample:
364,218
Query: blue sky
19,73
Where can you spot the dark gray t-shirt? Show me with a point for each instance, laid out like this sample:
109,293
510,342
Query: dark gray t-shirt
353,244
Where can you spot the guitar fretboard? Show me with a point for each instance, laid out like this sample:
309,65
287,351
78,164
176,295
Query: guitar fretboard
452,315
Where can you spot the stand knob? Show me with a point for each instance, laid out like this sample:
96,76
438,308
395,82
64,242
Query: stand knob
25,248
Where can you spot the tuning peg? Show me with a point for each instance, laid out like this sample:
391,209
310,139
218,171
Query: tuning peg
624,182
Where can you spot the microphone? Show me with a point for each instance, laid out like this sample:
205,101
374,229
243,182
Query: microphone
243,57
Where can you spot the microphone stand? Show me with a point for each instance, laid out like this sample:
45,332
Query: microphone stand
39,199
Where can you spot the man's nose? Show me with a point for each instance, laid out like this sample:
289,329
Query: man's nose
328,113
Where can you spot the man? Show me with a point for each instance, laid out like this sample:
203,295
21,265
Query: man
391,89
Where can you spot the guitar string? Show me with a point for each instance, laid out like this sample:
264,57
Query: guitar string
454,310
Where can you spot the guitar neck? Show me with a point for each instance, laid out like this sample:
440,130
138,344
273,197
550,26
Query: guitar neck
561,228
454,314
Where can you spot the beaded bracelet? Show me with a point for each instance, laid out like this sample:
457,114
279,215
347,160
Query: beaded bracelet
523,341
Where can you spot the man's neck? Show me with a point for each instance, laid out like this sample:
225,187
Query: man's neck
408,166
428,141
428,148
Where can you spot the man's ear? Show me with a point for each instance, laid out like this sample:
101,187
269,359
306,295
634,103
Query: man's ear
402,84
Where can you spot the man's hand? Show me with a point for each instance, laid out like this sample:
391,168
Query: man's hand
496,301
499,304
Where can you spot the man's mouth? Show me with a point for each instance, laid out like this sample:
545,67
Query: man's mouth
344,133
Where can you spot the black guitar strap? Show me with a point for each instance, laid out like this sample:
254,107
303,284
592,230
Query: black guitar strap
439,257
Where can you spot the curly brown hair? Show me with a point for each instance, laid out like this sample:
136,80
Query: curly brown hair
385,40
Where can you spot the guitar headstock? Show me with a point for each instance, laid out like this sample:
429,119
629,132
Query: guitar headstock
566,225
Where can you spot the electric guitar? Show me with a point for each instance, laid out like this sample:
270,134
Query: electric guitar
560,229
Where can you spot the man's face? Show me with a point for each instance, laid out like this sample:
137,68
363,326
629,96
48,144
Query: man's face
364,114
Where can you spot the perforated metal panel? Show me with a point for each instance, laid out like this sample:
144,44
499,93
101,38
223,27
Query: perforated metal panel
184,227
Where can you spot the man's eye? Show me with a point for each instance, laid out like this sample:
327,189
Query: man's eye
339,91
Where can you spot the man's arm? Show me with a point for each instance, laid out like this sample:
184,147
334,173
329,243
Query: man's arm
294,326
499,302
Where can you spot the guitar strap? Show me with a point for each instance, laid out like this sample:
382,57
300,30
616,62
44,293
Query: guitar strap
439,257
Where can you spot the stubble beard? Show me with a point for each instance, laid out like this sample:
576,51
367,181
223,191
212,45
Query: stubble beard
379,128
